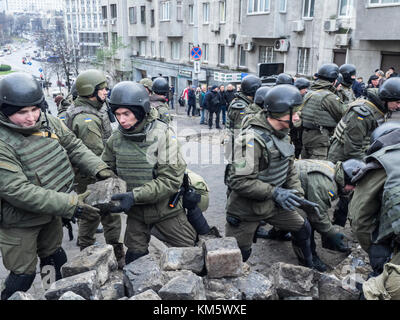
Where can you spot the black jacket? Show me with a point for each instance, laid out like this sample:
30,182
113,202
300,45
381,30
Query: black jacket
229,96
212,101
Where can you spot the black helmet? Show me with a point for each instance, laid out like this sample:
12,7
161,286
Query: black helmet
250,84
284,78
302,83
260,95
281,98
128,94
74,91
160,86
384,129
20,89
339,80
351,168
390,90
328,71
348,70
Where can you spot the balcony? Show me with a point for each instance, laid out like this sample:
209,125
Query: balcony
171,29
137,30
266,26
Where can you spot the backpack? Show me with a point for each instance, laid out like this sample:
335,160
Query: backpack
198,183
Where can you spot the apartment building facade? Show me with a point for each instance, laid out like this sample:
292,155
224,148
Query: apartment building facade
82,26
32,6
236,35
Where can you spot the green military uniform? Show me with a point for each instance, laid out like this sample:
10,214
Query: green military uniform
268,163
159,103
90,122
148,158
346,94
320,115
352,135
62,109
37,176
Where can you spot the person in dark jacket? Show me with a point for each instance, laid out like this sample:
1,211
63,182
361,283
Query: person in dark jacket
212,103
191,101
223,105
229,94
358,87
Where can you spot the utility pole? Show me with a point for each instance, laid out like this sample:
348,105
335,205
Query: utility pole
195,76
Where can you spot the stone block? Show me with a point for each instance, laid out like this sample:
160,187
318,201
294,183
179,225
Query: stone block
223,258
190,258
147,295
114,288
156,247
84,284
100,258
291,280
102,191
188,287
20,295
222,289
141,275
71,296
331,288
256,286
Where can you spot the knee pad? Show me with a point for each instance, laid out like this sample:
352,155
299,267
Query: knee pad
132,256
16,282
379,254
245,254
57,260
303,234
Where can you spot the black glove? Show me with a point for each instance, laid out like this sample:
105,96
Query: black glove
105,174
334,241
286,198
67,224
309,207
126,202
83,210
190,199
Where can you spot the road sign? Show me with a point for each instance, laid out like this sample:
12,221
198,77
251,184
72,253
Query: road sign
40,70
196,67
196,53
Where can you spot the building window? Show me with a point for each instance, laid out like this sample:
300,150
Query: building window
308,8
383,2
303,61
113,9
165,11
132,15
153,48
190,49
222,11
206,12
179,11
221,54
104,12
114,38
242,57
143,14
282,6
152,19
191,14
175,50
257,6
205,52
266,54
345,8
162,50
142,48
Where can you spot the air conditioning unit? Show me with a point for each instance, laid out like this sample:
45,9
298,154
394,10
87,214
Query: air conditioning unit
342,40
298,25
230,42
215,27
135,52
248,46
281,45
331,25
113,21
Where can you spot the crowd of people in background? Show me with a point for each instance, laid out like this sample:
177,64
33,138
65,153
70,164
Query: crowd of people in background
375,81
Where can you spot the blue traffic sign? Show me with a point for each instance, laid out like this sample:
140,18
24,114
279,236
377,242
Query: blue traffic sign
40,70
196,53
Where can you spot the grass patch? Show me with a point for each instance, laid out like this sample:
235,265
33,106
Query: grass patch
3,73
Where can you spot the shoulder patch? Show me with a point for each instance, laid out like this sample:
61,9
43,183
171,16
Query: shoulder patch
88,119
238,105
362,111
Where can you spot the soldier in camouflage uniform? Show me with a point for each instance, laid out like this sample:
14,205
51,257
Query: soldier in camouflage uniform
159,99
37,153
264,182
321,113
88,118
144,152
352,134
374,209
345,93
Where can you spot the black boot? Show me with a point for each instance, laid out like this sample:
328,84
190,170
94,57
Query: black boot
245,254
341,210
132,256
274,234
379,254
16,282
319,264
119,253
57,259
302,245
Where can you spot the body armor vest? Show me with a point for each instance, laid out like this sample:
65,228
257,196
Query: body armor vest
236,111
44,162
304,167
280,151
363,108
389,220
162,110
347,95
102,114
312,114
